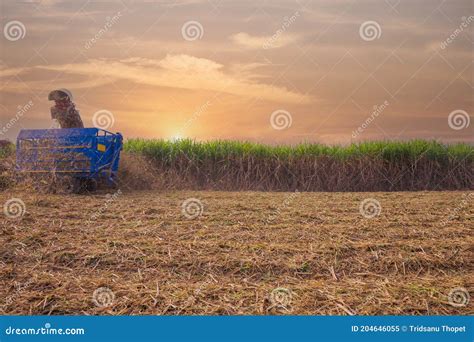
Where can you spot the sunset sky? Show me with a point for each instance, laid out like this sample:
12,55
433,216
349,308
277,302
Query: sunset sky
215,69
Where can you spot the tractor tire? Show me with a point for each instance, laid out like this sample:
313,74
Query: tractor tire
91,185
77,186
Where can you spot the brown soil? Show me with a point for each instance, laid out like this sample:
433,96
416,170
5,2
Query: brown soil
329,258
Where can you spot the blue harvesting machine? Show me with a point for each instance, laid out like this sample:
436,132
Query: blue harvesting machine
89,156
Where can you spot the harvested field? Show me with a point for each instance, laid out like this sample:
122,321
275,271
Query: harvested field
230,258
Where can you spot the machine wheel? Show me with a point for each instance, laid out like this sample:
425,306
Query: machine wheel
91,185
76,185
84,185
113,183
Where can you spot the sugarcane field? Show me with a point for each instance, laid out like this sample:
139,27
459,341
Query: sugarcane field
236,171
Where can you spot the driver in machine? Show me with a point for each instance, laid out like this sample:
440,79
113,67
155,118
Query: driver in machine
64,110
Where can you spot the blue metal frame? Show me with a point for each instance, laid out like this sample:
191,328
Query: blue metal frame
83,152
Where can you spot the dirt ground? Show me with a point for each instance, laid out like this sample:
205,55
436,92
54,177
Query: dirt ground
236,253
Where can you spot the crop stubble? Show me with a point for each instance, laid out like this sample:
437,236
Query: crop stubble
229,259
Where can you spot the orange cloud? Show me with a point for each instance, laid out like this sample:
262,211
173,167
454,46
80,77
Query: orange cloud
186,72
262,42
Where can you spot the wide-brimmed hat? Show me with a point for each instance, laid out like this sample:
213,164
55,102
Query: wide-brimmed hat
60,94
